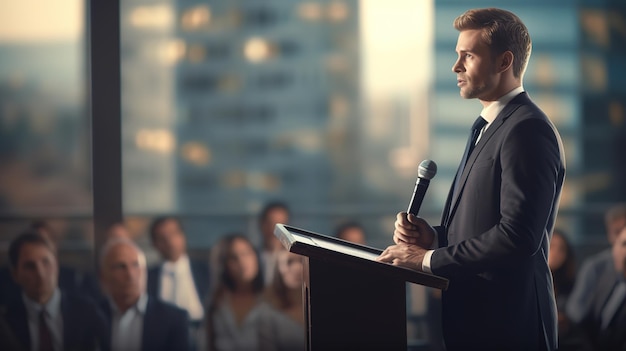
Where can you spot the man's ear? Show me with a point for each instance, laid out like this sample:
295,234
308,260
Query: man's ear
506,61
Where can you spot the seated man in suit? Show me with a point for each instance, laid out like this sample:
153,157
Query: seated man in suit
272,213
606,320
43,317
179,279
68,280
135,320
595,266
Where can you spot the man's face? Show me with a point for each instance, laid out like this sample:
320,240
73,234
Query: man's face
614,228
276,215
170,240
619,253
36,272
475,67
123,273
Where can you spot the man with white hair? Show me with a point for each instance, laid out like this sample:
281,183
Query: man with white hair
137,322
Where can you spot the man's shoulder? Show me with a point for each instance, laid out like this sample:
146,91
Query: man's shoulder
600,258
155,268
596,263
197,264
160,308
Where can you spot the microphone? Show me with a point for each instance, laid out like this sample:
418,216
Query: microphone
425,172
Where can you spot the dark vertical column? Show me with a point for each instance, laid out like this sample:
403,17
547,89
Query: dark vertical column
105,84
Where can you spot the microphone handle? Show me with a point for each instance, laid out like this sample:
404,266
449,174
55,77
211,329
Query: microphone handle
421,185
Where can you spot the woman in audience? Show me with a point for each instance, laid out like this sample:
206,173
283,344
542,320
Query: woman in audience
236,307
283,328
563,267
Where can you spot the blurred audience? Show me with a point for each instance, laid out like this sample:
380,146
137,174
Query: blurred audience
606,320
562,264
43,317
351,231
178,279
236,307
283,328
135,320
587,279
272,213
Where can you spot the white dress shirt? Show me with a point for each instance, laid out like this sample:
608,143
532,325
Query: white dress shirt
53,318
489,113
178,287
127,326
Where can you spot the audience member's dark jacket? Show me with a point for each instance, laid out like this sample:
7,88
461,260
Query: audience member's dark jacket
614,336
199,271
83,323
165,327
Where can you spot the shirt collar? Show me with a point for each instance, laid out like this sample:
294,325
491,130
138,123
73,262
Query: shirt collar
139,306
490,112
181,265
53,306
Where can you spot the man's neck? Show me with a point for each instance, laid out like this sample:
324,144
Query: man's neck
124,303
502,90
42,299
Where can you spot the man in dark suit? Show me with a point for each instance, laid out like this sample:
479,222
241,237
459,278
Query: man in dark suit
494,235
179,279
69,279
43,317
136,321
605,322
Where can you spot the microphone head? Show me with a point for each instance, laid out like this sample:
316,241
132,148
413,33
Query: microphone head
427,169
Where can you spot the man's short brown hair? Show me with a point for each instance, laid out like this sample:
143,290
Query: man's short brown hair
30,236
503,31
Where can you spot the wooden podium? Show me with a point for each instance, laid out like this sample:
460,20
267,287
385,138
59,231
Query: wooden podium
351,301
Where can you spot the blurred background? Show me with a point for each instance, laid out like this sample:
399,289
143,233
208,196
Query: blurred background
328,105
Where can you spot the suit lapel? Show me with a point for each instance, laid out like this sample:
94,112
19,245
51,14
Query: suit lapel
508,110
17,318
148,334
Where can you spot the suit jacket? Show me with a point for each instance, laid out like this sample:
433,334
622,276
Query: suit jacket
614,336
199,271
495,234
165,327
83,323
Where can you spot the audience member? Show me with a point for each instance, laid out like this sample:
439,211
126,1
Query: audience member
351,231
116,230
178,279
593,267
135,320
606,319
272,213
44,317
283,328
562,264
69,279
236,308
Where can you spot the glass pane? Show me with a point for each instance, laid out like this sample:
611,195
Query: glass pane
44,127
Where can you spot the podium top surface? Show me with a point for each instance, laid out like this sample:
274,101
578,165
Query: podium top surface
324,247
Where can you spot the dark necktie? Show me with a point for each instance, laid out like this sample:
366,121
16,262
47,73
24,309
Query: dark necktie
471,142
45,338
